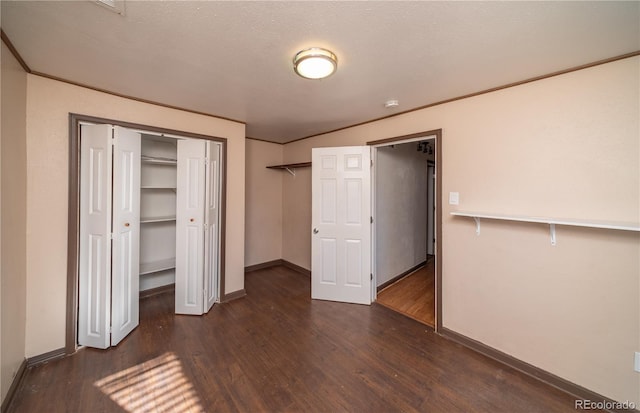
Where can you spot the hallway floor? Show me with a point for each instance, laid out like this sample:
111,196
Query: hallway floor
413,295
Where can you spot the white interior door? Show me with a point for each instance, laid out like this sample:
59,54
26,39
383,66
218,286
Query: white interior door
190,225
125,274
94,289
341,222
212,224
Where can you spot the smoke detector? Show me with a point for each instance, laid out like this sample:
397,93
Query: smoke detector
116,6
392,103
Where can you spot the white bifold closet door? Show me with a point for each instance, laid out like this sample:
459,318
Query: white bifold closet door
212,225
197,226
109,267
109,234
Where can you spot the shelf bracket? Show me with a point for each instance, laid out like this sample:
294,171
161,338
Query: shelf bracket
292,171
552,230
477,225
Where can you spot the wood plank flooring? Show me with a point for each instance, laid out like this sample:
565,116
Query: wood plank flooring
413,295
276,350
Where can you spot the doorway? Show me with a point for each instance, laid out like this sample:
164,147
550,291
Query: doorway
158,163
407,205
344,218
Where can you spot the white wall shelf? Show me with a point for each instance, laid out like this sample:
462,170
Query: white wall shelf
291,167
552,222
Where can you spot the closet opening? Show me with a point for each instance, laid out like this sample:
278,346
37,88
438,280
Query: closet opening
146,216
158,187
407,204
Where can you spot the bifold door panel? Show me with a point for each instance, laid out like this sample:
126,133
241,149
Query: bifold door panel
190,227
197,226
109,234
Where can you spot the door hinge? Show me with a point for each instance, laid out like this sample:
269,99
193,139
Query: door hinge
371,276
206,161
371,219
372,162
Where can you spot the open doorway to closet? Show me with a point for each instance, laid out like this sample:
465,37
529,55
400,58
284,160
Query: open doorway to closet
406,199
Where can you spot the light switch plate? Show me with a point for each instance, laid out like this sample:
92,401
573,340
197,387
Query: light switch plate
636,362
454,198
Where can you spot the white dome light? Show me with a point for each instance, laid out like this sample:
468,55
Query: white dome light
315,63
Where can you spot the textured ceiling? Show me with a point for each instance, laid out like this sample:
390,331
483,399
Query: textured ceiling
233,59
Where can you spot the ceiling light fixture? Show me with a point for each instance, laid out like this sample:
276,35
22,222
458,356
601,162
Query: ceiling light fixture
315,63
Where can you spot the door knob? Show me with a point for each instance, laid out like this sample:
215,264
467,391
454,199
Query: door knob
191,220
315,230
126,224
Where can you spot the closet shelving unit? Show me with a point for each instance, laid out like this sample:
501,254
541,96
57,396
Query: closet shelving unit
157,212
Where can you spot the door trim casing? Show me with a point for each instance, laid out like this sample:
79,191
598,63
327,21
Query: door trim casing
73,246
437,136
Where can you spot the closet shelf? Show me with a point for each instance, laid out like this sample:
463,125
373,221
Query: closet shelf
156,266
291,167
158,161
157,187
552,222
147,220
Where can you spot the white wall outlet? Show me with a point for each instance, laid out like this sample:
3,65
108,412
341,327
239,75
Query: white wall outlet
636,362
454,198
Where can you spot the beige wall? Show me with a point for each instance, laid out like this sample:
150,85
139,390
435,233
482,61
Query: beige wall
13,218
48,105
296,209
263,238
567,146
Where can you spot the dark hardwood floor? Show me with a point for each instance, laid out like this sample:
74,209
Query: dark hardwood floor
276,350
413,295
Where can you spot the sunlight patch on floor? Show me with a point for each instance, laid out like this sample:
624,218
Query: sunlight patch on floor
157,385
